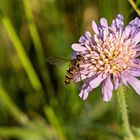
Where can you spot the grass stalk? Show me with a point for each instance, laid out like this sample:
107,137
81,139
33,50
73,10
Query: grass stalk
11,107
134,6
38,46
21,54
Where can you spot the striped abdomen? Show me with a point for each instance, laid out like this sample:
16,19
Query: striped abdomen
70,72
73,68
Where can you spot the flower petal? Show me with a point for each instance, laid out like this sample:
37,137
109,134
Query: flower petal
116,81
78,77
132,28
85,37
88,35
96,81
107,88
95,27
136,39
135,22
84,93
104,25
134,72
82,39
78,47
135,83
89,85
118,25
124,78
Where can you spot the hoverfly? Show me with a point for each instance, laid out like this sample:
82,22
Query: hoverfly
74,66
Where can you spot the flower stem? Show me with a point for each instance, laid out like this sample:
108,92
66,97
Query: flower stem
124,114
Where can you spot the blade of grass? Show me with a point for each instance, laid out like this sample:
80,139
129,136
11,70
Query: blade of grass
54,122
38,46
26,132
134,6
131,10
11,107
21,54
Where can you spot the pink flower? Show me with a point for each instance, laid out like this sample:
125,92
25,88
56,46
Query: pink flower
111,57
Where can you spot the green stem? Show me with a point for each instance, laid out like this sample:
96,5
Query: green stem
124,114
134,6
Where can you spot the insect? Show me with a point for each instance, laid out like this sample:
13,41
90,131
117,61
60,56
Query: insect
73,68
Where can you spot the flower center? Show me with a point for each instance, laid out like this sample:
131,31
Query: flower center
110,56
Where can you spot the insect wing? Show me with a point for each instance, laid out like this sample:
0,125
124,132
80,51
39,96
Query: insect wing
57,60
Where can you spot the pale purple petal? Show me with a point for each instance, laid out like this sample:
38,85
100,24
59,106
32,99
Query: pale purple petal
82,39
135,83
84,93
136,39
85,37
118,25
126,32
116,81
137,47
135,22
107,88
78,77
104,25
96,81
134,71
78,47
88,35
89,85
124,78
128,42
132,28
95,27
136,61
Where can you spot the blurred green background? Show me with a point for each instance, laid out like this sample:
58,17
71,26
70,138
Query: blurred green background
35,104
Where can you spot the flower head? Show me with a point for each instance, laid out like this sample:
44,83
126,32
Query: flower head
110,57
